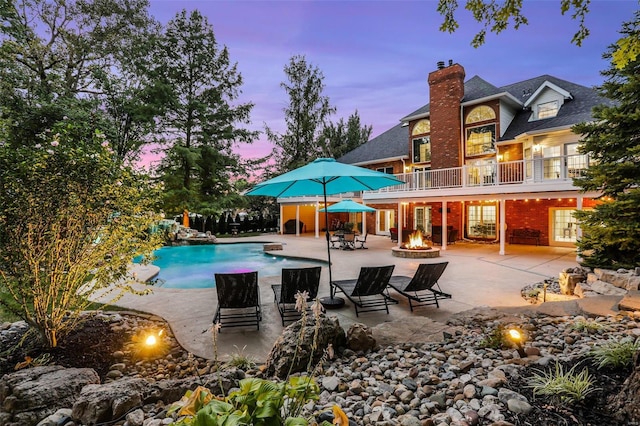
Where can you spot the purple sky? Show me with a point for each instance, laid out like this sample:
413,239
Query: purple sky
376,55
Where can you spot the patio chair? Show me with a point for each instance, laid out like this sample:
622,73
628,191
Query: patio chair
361,240
238,300
295,280
367,292
423,288
349,241
336,240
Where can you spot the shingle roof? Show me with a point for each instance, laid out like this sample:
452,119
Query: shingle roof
573,111
393,142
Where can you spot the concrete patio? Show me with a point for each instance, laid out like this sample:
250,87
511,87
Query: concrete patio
476,276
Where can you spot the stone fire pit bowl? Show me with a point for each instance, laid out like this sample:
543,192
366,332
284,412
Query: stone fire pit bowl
415,254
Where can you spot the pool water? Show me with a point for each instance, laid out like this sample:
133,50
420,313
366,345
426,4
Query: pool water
193,266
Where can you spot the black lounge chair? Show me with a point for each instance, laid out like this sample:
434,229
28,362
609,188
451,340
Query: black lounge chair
239,297
368,292
422,288
295,280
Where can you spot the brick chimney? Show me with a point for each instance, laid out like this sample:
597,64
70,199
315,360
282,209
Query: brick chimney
446,90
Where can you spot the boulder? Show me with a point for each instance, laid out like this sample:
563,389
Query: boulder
30,395
360,338
110,401
568,282
295,348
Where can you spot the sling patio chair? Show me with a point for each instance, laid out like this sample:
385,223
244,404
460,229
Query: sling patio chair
361,240
295,280
422,288
367,292
349,241
238,300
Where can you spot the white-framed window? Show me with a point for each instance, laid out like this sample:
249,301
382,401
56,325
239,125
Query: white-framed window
480,113
481,221
422,149
481,140
421,127
422,218
387,170
548,109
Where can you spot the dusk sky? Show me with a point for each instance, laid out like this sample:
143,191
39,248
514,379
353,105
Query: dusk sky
376,55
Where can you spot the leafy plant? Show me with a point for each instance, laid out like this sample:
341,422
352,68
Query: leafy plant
240,360
615,354
587,325
566,387
496,339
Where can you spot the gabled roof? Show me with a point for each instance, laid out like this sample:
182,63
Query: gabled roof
391,144
576,109
573,111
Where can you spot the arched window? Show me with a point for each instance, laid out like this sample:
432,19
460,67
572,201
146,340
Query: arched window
481,113
421,127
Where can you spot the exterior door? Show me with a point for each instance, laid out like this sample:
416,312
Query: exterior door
563,226
422,219
385,219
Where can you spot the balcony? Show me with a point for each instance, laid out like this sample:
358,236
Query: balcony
512,176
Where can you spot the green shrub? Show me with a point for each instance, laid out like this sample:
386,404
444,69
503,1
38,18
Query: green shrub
589,326
496,339
565,387
615,354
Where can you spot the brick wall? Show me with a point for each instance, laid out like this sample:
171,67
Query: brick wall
446,90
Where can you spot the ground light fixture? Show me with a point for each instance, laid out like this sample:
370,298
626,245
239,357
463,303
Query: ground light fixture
517,338
149,344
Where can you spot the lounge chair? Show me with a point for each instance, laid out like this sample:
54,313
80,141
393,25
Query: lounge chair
367,292
422,288
361,240
295,280
239,297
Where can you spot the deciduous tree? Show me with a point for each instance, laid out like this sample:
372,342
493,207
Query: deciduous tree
72,219
306,116
339,138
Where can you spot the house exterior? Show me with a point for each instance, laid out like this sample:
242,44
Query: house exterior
483,162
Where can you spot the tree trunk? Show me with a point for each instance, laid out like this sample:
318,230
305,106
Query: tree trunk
626,404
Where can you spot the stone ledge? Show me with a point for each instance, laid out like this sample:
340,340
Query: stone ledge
272,246
630,302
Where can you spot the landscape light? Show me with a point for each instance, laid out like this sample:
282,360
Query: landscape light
517,338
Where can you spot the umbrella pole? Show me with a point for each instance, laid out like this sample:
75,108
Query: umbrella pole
327,237
331,301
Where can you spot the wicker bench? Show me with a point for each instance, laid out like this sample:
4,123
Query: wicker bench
525,235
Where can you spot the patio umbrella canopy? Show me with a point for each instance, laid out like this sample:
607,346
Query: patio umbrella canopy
348,206
324,176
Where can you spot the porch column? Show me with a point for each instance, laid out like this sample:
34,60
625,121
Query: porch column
444,226
579,201
364,223
400,224
281,220
317,219
297,220
503,225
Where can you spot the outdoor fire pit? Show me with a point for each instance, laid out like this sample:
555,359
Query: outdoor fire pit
416,248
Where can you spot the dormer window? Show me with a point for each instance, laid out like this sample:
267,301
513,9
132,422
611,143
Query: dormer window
548,109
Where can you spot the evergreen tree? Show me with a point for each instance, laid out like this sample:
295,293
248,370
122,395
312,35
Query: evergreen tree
611,231
306,116
202,117
340,138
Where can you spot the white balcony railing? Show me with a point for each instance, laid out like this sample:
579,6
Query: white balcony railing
563,168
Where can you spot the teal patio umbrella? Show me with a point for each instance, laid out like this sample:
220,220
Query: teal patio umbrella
324,176
348,206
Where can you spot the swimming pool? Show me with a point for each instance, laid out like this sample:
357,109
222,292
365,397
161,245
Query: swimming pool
193,266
